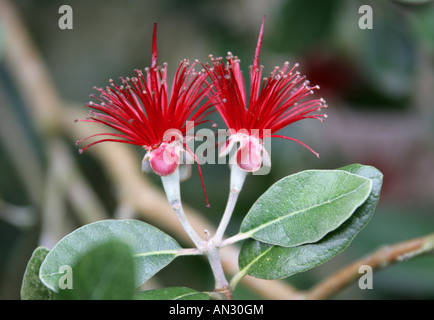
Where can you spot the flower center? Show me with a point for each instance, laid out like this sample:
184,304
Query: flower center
165,159
249,154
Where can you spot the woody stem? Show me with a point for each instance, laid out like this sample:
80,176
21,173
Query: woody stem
238,177
172,189
221,284
210,247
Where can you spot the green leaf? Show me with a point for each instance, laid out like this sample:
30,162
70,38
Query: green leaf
376,177
105,272
32,287
173,293
304,207
152,248
267,261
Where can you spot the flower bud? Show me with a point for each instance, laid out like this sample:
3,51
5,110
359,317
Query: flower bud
164,160
249,154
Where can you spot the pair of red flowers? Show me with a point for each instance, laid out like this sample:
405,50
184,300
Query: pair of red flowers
143,113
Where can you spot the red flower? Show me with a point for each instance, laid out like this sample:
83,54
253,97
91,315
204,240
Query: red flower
143,113
274,103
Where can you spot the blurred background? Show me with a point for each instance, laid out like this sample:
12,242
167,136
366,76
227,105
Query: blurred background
379,85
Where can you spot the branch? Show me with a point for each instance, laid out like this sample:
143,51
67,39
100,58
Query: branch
382,258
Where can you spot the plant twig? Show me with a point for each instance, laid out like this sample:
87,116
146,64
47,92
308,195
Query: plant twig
173,194
238,176
236,238
380,259
232,200
221,284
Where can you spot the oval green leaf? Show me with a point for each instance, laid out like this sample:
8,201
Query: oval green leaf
32,287
304,207
152,248
376,177
105,272
267,261
173,293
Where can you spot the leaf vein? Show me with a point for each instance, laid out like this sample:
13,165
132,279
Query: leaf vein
293,213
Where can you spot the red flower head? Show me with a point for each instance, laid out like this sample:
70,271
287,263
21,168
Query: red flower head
274,103
142,112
